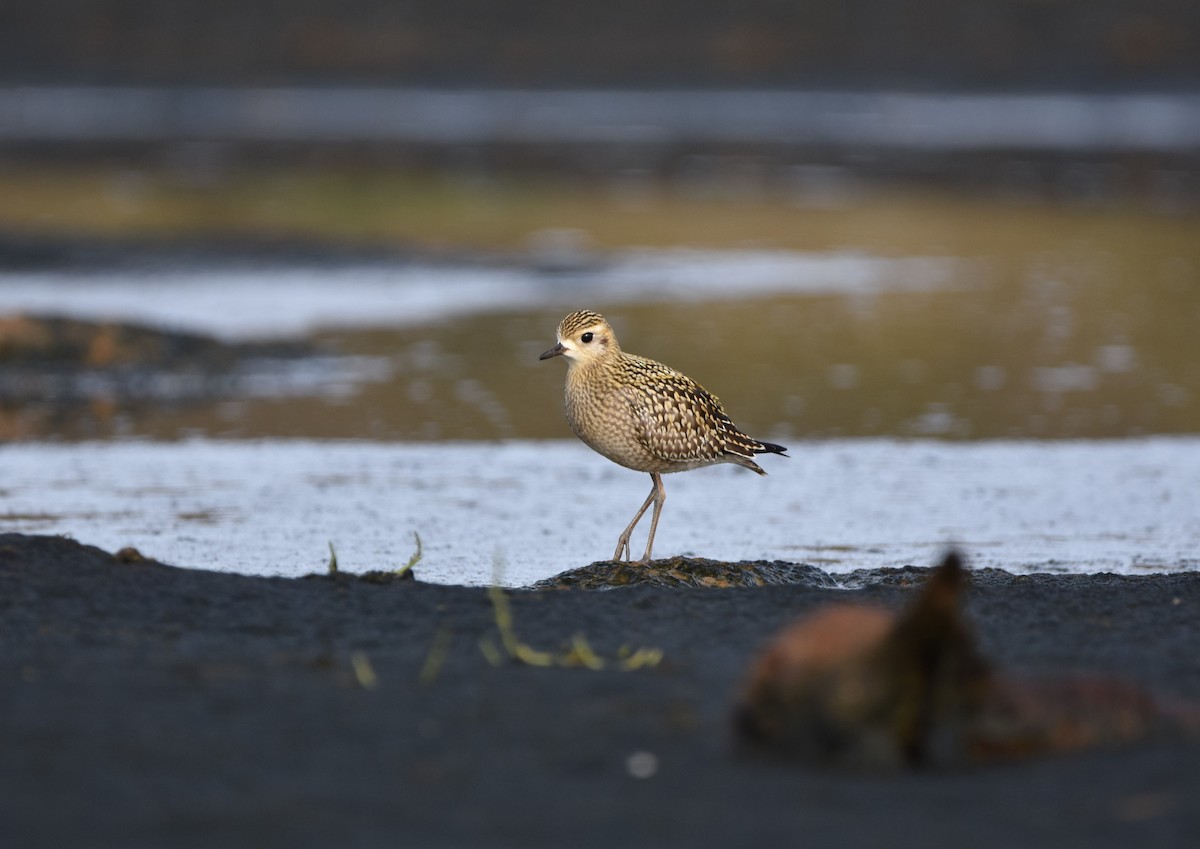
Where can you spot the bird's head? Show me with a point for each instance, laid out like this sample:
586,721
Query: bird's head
583,336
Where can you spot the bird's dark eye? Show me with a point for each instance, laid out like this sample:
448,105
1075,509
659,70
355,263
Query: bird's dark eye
587,337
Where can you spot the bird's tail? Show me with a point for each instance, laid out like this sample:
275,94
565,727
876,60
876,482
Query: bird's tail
769,448
743,452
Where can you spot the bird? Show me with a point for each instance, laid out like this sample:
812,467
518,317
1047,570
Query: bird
644,415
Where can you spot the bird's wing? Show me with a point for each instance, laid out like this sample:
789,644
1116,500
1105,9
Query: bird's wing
678,419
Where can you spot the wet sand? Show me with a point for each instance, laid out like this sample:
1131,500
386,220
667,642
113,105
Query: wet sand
145,705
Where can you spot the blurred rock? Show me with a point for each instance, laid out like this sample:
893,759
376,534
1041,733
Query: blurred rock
863,686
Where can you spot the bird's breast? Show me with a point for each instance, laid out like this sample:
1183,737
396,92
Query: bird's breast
600,415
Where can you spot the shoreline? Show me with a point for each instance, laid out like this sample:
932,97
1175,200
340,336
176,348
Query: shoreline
151,705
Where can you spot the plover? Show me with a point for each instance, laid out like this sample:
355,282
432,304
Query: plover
644,415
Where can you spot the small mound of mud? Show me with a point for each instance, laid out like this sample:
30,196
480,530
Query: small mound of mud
375,576
50,553
688,572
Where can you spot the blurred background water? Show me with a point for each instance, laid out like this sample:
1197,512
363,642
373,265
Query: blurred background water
963,221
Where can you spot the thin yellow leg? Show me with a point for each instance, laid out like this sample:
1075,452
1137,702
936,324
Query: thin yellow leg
623,542
659,494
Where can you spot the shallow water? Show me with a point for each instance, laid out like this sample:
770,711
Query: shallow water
518,511
1093,339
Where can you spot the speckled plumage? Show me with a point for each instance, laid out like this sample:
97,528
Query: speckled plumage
642,414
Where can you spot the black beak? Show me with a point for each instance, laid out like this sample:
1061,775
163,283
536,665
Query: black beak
553,352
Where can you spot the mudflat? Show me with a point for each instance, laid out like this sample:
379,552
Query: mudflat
149,705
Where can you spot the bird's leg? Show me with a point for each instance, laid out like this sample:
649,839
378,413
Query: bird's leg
623,542
659,494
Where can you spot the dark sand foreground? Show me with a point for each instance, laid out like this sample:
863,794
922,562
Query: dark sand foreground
144,705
